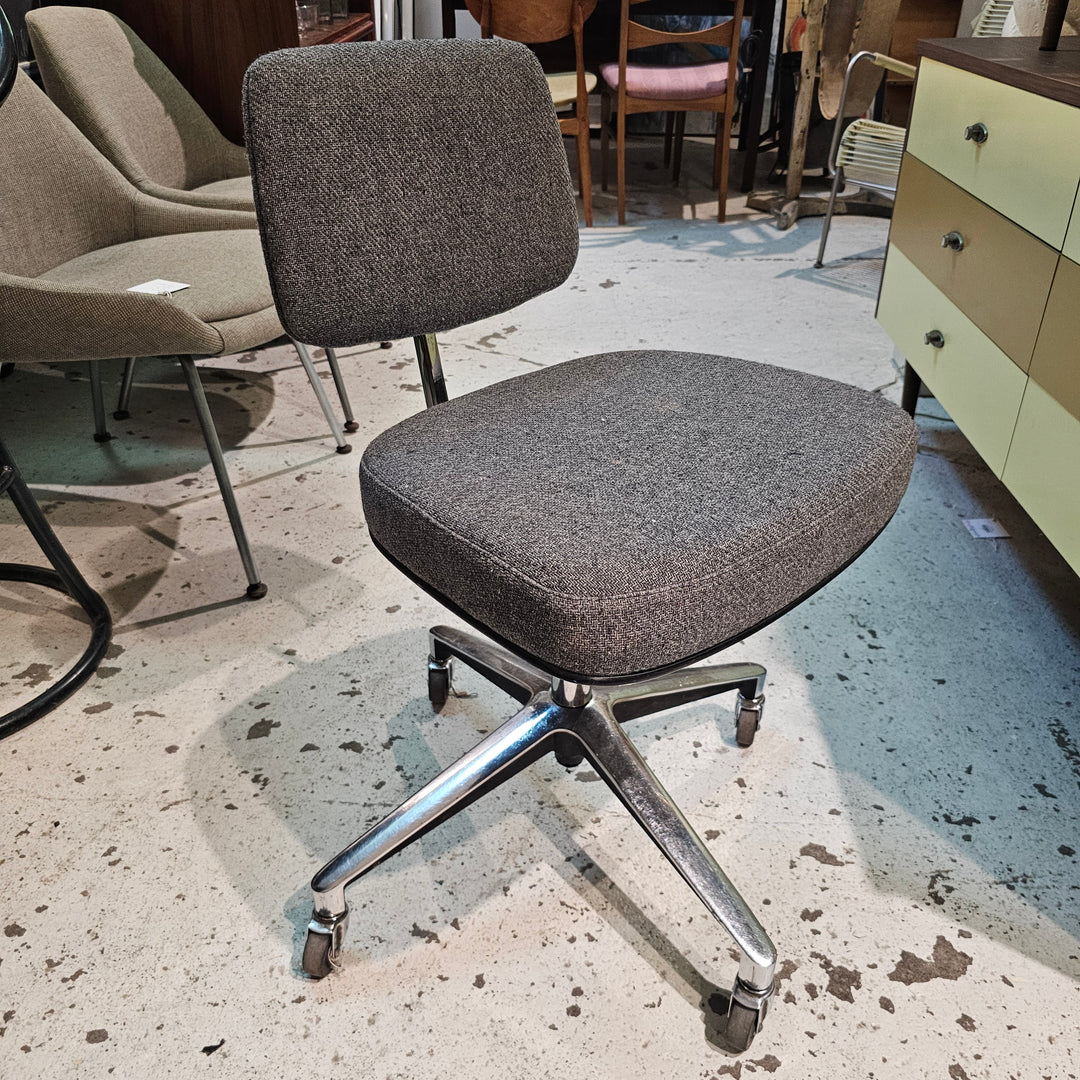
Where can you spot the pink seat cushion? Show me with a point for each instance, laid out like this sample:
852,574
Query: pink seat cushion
679,83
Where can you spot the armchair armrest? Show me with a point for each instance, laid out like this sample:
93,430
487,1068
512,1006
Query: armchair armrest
50,321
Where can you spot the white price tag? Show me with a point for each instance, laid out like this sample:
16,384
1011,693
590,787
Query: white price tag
159,286
984,528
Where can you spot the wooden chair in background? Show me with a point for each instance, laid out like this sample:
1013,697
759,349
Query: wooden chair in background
537,21
672,88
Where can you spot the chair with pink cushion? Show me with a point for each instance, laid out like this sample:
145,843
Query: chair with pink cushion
647,87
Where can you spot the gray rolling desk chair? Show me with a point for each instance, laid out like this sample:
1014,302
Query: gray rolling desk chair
605,522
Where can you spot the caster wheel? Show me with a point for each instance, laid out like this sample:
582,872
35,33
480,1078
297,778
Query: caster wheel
121,414
351,425
741,1027
322,946
748,719
438,683
316,962
345,448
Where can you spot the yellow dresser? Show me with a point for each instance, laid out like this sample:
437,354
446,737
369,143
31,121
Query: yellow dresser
981,291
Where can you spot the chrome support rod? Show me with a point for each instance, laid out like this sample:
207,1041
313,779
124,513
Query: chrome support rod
489,758
628,775
124,400
320,395
256,589
342,392
431,373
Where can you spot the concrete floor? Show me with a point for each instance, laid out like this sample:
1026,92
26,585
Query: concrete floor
905,824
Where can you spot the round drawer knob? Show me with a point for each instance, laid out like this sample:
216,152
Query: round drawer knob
953,240
935,338
976,133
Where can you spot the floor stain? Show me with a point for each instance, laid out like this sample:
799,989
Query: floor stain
35,674
428,935
842,980
817,851
261,728
947,963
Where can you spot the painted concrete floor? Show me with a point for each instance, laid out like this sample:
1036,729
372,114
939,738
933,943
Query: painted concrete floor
905,824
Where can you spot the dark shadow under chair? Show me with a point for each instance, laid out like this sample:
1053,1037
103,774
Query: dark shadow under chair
604,522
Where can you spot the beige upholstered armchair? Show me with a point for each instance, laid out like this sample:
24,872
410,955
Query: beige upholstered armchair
135,111
77,236
121,96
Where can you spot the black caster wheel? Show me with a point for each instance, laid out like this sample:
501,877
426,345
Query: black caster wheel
438,683
748,713
121,414
351,426
344,448
741,1027
256,591
317,948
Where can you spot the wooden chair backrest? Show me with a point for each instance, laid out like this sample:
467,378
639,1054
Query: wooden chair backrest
530,21
634,35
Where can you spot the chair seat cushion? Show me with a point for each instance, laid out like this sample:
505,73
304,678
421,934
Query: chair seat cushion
234,193
669,83
224,268
563,87
626,512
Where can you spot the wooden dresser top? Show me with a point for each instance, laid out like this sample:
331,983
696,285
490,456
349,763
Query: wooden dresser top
1015,61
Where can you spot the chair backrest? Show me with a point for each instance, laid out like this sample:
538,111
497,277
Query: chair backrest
59,198
636,35
126,101
990,22
406,187
531,21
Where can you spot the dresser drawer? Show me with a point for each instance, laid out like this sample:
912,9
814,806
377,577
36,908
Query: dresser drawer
996,257
1056,363
974,380
1042,470
1028,166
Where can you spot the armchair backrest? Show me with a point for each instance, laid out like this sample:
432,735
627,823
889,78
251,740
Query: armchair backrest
406,187
126,101
58,197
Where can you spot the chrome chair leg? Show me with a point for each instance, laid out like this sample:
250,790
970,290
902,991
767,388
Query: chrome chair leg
838,181
342,393
628,775
503,753
256,589
683,686
97,397
124,398
510,674
320,395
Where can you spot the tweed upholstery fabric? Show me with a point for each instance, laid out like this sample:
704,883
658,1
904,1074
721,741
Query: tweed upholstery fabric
624,512
57,203
76,234
405,188
133,109
225,271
